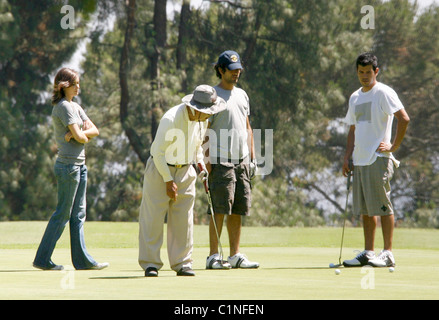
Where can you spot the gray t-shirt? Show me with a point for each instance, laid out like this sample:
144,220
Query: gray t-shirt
229,127
64,114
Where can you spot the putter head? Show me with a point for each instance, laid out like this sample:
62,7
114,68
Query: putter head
225,264
338,265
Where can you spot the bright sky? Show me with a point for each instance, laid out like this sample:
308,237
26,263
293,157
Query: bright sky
426,3
421,3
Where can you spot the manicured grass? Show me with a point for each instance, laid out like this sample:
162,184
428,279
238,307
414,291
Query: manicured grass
294,265
27,235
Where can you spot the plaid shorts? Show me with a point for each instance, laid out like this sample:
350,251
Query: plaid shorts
371,188
230,188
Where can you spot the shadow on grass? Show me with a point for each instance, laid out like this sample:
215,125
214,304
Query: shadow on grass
27,270
116,278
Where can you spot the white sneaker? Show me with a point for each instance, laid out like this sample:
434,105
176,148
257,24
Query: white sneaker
384,259
239,260
360,260
214,262
100,266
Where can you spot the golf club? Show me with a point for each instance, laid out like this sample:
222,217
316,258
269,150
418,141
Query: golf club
224,264
348,187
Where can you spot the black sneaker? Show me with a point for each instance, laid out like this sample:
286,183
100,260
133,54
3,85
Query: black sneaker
54,267
151,272
360,260
186,271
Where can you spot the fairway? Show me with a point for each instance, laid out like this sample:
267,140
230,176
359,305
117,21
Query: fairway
294,265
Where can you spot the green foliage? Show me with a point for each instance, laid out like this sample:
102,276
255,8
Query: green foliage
299,60
32,48
276,204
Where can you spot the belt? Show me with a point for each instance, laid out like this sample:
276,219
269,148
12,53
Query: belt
234,161
176,165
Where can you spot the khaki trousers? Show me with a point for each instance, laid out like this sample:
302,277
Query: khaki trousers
154,206
371,192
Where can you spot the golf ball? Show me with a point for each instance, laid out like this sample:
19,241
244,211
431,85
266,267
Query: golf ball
391,269
337,271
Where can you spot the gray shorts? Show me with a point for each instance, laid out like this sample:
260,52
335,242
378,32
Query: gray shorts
371,188
230,188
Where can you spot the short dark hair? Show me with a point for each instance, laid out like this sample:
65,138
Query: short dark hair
218,66
223,67
367,59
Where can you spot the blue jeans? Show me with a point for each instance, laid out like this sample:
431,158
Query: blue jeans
72,184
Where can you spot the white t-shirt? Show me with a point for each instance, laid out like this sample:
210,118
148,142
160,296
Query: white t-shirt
372,114
228,129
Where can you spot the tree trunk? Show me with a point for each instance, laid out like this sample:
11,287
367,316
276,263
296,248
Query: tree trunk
159,22
182,41
133,138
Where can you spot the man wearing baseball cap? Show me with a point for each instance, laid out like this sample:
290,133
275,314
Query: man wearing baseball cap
231,162
169,182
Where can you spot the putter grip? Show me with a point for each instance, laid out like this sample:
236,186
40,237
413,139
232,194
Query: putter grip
351,167
206,188
348,186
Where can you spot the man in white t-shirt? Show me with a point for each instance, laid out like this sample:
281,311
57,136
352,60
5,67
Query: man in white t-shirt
372,109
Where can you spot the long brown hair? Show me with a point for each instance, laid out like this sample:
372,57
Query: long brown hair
65,78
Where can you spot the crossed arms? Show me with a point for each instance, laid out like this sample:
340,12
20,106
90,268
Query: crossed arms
90,131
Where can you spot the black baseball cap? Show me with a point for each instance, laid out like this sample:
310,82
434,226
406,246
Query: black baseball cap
230,59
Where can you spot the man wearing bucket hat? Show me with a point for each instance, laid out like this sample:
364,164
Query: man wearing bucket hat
231,162
169,182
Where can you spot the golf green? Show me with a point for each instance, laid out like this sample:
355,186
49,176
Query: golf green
294,265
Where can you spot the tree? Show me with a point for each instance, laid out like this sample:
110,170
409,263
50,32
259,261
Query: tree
299,71
33,46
